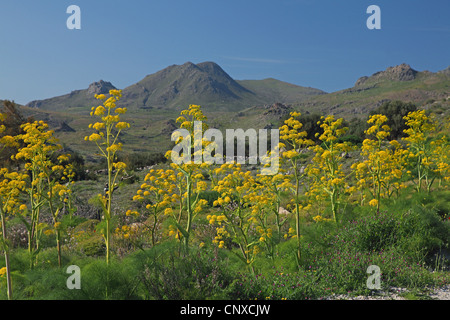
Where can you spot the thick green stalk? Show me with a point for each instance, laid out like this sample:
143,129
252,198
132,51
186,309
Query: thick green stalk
7,265
297,211
189,212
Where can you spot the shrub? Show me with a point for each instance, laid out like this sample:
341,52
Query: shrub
87,239
165,275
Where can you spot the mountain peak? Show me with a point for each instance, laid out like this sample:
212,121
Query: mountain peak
202,83
100,87
402,72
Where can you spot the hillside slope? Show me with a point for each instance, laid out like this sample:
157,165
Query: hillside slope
395,83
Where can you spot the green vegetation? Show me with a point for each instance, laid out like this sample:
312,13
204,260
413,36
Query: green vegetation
373,190
219,232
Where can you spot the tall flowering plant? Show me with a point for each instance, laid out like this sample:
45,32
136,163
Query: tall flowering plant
190,180
239,213
40,145
382,167
12,185
106,134
295,140
328,178
158,194
424,149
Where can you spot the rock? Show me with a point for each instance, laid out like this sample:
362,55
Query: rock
361,81
100,87
277,109
34,104
402,72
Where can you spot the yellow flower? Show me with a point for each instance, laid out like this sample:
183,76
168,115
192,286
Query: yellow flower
121,110
122,125
99,111
94,137
114,148
373,202
120,165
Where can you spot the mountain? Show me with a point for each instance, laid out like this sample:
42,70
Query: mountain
178,86
75,99
394,83
156,101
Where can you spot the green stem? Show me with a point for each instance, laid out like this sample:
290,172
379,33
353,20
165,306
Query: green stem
7,265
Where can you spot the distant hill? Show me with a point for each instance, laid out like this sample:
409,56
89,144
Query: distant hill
395,83
76,99
272,91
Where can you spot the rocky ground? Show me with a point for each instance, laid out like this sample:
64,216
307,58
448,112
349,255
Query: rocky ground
442,293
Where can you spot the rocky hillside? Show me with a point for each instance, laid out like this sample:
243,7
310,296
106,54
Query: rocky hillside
395,83
76,99
401,72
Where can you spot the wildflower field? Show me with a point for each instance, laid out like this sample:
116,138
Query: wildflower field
227,231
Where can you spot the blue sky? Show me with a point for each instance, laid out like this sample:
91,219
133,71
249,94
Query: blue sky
317,43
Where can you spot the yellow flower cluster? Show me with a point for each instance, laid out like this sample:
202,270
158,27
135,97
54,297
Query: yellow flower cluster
221,233
428,153
291,134
320,218
158,190
2,272
12,184
241,202
109,121
40,144
6,141
125,232
213,219
328,178
381,170
264,233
